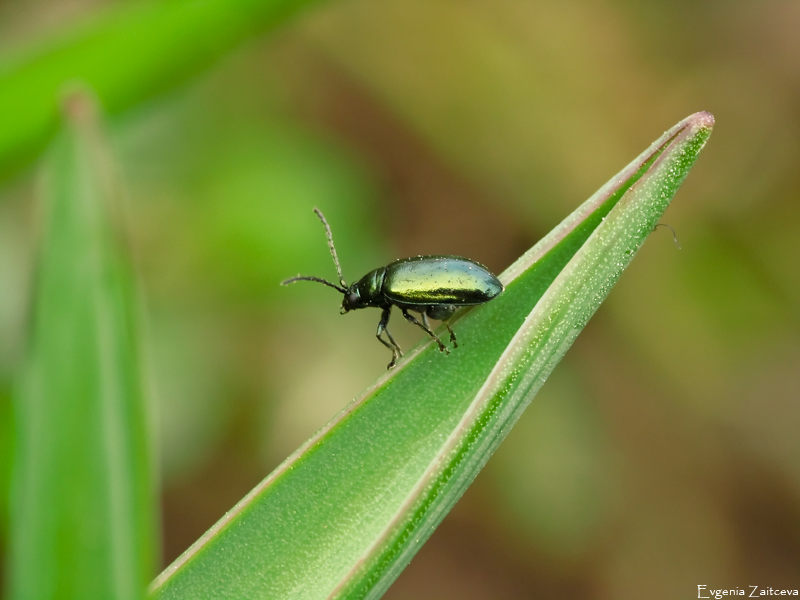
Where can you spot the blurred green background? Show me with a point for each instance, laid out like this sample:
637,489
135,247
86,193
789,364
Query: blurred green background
662,454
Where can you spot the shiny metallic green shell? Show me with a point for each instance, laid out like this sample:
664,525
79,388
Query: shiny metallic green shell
429,280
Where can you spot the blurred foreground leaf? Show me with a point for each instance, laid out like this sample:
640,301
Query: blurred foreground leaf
82,509
126,56
345,514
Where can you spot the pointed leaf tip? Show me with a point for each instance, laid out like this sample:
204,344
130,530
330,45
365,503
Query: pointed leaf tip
701,120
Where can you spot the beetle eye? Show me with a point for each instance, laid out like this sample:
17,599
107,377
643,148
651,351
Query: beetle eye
352,299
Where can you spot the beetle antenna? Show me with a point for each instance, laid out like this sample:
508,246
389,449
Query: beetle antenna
674,235
331,246
317,279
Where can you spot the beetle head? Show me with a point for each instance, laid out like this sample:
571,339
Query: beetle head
352,299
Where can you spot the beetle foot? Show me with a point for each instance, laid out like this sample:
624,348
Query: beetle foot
452,335
395,357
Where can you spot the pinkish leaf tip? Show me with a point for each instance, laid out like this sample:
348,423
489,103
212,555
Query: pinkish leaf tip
701,120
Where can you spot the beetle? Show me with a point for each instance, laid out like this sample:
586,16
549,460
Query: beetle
434,286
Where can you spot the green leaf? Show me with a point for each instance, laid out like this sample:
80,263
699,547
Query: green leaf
82,507
344,515
126,56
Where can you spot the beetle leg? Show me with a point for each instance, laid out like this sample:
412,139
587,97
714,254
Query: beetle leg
412,319
442,312
452,334
396,352
391,339
425,320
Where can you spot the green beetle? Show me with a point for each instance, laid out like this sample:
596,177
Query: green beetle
434,286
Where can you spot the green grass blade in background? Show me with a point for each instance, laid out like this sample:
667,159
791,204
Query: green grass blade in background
82,510
126,56
345,514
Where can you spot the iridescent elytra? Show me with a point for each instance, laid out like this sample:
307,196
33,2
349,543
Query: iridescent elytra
434,286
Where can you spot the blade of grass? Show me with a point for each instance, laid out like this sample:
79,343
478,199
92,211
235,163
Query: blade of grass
343,516
82,510
126,55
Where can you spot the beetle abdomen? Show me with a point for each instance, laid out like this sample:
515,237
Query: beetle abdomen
427,280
